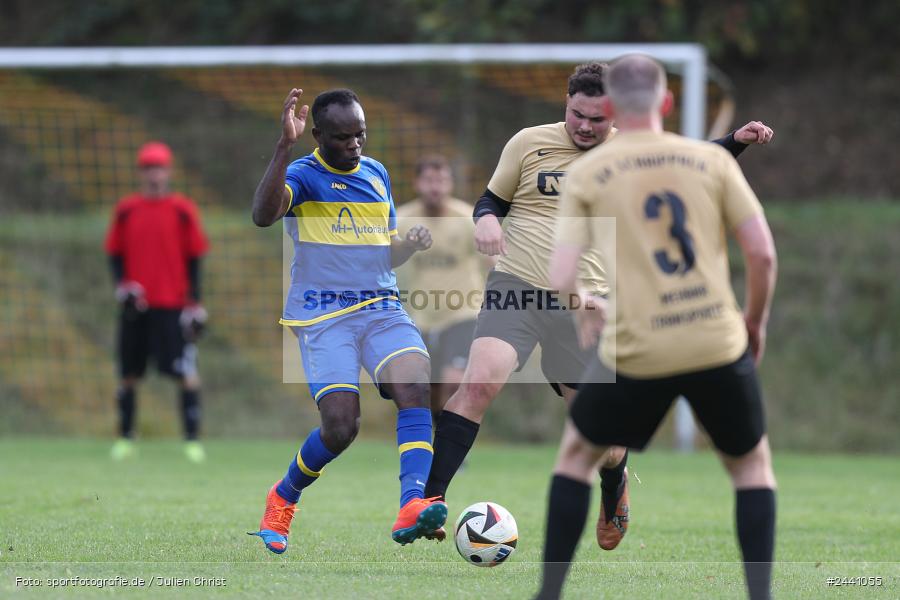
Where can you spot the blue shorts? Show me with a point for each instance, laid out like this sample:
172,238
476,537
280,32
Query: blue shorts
334,350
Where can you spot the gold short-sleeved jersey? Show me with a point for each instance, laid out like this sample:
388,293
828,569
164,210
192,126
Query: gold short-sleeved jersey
530,175
451,273
673,199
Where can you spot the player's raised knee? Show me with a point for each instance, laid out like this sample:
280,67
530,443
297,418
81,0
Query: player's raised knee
473,397
338,434
340,420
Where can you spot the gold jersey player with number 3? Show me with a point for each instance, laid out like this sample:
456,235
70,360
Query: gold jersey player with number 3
673,325
519,310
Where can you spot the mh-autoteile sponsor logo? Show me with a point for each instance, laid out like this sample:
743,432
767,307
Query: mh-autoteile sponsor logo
346,223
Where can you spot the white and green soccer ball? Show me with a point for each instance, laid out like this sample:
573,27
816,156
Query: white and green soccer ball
486,534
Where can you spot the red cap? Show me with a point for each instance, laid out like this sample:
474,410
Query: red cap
154,154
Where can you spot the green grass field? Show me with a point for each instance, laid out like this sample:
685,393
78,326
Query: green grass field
67,511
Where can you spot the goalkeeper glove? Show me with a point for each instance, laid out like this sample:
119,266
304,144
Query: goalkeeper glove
193,321
130,294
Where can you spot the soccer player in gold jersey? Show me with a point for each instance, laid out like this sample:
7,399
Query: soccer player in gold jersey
524,191
442,286
672,325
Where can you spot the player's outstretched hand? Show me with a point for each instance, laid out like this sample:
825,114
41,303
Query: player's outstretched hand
756,338
489,238
419,237
292,125
754,132
590,319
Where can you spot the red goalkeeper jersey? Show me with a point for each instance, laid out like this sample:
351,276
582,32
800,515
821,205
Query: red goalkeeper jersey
156,237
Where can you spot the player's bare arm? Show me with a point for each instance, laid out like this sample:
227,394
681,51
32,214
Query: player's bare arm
564,267
417,239
755,239
271,199
590,316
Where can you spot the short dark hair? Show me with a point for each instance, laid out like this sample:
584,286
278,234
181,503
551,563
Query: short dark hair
341,96
588,79
432,161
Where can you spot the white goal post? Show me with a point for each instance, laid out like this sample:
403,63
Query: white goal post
689,60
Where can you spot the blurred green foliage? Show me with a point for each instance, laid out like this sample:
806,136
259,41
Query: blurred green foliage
741,30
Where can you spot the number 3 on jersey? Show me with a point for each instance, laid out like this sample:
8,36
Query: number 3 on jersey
678,232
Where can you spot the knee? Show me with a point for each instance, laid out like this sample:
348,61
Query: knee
577,459
412,395
451,376
339,433
474,397
753,469
614,456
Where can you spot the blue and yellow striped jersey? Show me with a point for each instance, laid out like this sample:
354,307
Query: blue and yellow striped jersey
341,223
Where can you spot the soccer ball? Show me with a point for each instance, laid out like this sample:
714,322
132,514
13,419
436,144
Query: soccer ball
486,534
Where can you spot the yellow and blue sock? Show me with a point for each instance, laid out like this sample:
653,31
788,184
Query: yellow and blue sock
306,468
414,443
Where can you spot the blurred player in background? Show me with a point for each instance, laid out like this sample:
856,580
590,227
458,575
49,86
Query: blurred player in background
675,327
524,190
451,266
344,306
155,243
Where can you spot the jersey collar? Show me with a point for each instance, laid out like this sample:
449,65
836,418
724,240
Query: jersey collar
331,169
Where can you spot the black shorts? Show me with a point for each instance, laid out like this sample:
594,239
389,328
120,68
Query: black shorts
524,316
726,400
449,347
156,333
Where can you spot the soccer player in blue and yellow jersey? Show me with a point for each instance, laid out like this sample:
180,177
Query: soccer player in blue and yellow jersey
344,306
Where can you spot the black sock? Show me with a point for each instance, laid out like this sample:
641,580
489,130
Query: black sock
566,514
755,512
190,413
611,483
125,402
453,438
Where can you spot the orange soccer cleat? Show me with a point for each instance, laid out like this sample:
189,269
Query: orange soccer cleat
611,531
420,517
276,521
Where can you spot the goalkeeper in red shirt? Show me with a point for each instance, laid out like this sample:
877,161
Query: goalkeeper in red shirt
155,243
